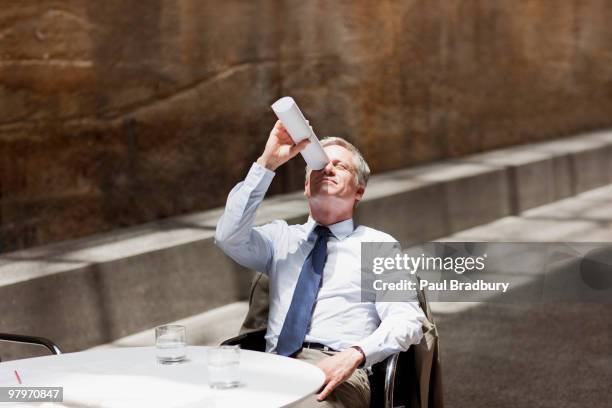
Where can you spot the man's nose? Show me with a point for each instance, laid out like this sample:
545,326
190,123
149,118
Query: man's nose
329,169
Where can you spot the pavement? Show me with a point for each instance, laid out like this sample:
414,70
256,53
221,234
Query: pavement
537,354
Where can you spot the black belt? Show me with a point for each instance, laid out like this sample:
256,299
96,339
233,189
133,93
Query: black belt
316,346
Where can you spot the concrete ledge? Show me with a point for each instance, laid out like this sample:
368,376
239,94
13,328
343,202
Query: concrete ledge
431,201
101,301
541,173
205,329
98,289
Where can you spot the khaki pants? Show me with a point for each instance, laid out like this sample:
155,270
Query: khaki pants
353,393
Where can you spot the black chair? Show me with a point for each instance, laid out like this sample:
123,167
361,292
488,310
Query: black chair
383,380
39,341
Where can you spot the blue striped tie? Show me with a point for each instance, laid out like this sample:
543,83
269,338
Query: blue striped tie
300,311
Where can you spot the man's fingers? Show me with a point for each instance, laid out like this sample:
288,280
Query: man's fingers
299,147
283,133
327,390
279,127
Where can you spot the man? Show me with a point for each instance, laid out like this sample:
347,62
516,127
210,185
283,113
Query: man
316,313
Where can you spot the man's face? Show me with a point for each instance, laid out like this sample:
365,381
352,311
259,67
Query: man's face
337,180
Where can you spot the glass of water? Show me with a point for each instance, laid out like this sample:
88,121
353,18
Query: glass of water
170,343
223,367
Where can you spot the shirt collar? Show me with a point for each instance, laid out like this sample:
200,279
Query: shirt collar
340,229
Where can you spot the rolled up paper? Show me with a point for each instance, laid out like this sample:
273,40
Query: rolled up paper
291,117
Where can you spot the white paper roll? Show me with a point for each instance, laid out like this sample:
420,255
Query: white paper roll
291,117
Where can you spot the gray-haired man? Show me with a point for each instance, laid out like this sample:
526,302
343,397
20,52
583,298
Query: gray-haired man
316,313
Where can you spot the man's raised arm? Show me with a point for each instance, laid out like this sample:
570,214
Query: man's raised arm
235,235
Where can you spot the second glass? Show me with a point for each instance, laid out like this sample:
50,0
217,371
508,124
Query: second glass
224,367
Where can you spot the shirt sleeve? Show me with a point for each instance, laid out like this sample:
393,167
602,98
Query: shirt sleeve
401,321
400,327
236,235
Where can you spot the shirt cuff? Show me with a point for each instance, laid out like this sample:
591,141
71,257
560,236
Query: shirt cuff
259,177
369,350
360,350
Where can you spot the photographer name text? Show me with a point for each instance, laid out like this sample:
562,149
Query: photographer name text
447,285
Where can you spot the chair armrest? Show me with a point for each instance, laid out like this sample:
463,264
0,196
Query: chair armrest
382,382
254,340
390,370
40,341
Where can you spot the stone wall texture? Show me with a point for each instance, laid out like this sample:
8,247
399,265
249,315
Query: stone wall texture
115,113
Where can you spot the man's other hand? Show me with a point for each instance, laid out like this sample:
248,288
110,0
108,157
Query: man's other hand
338,368
280,148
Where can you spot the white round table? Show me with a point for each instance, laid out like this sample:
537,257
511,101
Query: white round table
131,377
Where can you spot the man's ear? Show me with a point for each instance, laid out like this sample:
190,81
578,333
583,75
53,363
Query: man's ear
359,193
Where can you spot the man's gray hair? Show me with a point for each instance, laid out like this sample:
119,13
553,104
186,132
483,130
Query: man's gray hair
362,170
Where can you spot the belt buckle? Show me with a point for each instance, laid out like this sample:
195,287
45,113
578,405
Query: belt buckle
313,346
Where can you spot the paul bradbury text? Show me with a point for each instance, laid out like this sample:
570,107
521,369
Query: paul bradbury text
447,285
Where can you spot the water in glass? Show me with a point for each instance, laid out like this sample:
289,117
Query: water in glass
170,344
224,367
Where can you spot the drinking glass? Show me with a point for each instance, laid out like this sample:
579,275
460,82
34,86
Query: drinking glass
224,367
170,343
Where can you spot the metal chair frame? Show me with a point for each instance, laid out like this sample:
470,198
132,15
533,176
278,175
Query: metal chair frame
39,341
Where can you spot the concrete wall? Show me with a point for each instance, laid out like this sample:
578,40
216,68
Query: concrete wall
114,113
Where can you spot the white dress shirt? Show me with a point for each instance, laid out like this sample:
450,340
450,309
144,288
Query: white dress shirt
340,320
